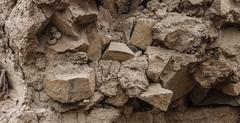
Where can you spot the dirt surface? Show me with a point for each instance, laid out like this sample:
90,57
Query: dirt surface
119,61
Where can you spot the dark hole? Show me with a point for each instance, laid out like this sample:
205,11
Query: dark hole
139,105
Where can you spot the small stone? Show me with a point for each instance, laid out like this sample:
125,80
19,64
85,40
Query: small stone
52,41
57,35
157,96
118,100
118,51
142,34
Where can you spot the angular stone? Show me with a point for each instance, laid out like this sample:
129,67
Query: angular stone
230,88
157,96
118,51
171,69
69,88
158,59
97,43
142,34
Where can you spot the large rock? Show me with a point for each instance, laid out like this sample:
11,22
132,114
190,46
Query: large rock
118,51
157,96
181,33
142,34
171,68
70,87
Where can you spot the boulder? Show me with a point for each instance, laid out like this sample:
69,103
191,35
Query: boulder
181,33
142,33
70,87
171,69
118,51
157,96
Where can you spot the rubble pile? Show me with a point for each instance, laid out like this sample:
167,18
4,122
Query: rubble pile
119,61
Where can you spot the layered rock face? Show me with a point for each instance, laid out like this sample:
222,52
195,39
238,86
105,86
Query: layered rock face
119,61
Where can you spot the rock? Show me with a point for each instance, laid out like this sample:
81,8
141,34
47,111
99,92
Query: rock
217,114
94,99
171,69
103,115
181,33
158,59
142,33
133,81
97,43
212,72
157,96
69,88
118,51
118,100
107,77
230,89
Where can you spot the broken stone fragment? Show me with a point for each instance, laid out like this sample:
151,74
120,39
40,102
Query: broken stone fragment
158,59
118,51
142,33
69,88
230,89
157,96
170,68
66,43
97,42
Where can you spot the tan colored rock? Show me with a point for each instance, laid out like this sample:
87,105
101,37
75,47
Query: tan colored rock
171,69
97,43
230,89
158,59
157,96
142,33
118,100
70,117
134,82
118,51
69,88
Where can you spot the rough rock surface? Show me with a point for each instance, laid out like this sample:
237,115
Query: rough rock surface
119,61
